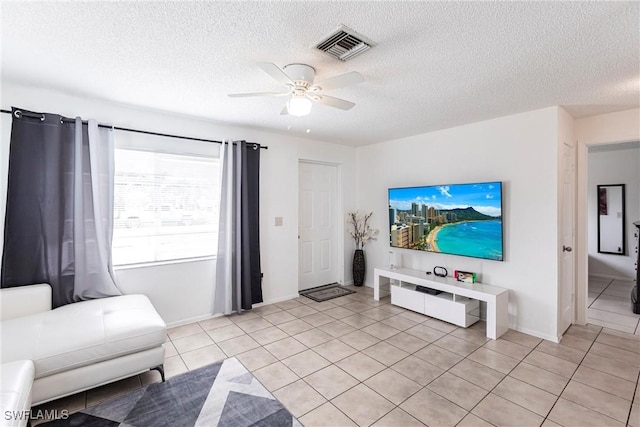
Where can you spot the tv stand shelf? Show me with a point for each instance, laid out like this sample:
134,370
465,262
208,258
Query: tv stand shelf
458,303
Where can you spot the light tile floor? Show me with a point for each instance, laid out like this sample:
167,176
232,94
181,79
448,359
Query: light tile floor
356,361
609,305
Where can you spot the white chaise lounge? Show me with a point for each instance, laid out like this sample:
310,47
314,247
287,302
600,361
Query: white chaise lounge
77,346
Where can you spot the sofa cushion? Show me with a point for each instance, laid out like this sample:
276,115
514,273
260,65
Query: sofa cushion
83,333
16,380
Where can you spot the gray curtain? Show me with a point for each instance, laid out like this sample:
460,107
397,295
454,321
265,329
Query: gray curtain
238,273
59,214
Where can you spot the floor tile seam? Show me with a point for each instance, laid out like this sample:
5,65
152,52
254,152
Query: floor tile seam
426,386
562,358
635,391
271,325
258,317
513,342
605,391
411,379
595,410
614,297
582,361
540,388
611,325
312,388
610,321
421,387
612,356
631,316
359,351
330,400
571,379
509,375
361,383
581,406
186,336
615,346
600,293
310,373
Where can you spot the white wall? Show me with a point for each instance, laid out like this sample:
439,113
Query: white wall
619,164
182,292
520,150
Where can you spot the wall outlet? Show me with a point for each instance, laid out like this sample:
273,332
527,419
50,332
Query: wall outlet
278,221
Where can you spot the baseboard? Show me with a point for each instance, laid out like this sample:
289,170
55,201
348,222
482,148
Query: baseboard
536,334
277,300
208,316
192,320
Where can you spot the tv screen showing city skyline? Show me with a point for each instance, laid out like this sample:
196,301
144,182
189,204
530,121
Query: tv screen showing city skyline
456,219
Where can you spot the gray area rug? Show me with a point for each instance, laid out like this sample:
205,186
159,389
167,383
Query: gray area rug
326,292
221,394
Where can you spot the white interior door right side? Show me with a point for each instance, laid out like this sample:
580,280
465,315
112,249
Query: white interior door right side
317,242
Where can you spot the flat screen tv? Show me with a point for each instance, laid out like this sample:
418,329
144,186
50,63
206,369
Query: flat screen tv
456,219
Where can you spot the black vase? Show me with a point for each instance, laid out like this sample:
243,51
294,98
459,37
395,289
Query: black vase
358,267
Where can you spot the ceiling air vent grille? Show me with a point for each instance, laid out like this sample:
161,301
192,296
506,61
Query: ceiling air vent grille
344,44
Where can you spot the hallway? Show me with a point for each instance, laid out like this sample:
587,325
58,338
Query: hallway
609,305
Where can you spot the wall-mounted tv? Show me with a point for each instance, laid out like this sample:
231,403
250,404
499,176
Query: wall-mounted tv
457,219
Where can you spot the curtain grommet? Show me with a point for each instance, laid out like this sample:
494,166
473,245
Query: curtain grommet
42,118
17,114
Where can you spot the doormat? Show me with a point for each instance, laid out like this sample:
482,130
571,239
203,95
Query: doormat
326,292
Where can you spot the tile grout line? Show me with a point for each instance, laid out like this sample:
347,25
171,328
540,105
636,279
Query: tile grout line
572,375
429,343
506,376
635,390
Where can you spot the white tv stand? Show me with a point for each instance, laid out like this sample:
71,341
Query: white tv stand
458,304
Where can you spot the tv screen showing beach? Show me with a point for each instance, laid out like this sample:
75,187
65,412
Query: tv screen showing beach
457,219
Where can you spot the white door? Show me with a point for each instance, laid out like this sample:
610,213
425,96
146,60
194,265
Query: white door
317,241
567,224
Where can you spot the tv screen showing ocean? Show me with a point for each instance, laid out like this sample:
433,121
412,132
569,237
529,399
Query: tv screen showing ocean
480,239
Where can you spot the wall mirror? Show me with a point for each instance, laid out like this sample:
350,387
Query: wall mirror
611,236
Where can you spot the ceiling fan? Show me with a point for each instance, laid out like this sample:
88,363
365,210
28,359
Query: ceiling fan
302,92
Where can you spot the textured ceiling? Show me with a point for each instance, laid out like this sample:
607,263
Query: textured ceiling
437,64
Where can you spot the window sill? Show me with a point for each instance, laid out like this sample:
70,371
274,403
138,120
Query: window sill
161,263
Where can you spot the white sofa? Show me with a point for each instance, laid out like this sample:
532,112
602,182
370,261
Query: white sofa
77,346
16,379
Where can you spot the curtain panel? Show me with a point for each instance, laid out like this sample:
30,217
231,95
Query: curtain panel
238,272
59,214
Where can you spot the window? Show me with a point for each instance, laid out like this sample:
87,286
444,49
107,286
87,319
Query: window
165,206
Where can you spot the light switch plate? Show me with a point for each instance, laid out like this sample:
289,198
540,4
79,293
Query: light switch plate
278,221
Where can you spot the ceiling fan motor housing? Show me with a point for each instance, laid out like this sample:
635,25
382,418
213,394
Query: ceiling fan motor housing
300,73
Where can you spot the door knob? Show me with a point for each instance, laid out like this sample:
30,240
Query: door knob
566,248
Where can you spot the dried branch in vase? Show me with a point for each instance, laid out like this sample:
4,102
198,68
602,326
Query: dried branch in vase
360,229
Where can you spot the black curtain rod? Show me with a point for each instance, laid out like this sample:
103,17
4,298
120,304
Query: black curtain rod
146,132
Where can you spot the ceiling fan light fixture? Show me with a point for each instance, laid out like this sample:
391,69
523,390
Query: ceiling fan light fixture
299,105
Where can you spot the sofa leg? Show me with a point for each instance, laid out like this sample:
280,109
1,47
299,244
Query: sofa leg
159,368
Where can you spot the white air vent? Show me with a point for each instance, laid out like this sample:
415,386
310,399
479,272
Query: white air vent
344,44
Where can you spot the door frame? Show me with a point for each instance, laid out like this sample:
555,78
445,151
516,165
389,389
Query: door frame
582,226
562,328
339,218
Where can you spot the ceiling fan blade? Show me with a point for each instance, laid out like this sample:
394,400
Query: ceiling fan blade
241,95
332,102
274,71
336,82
